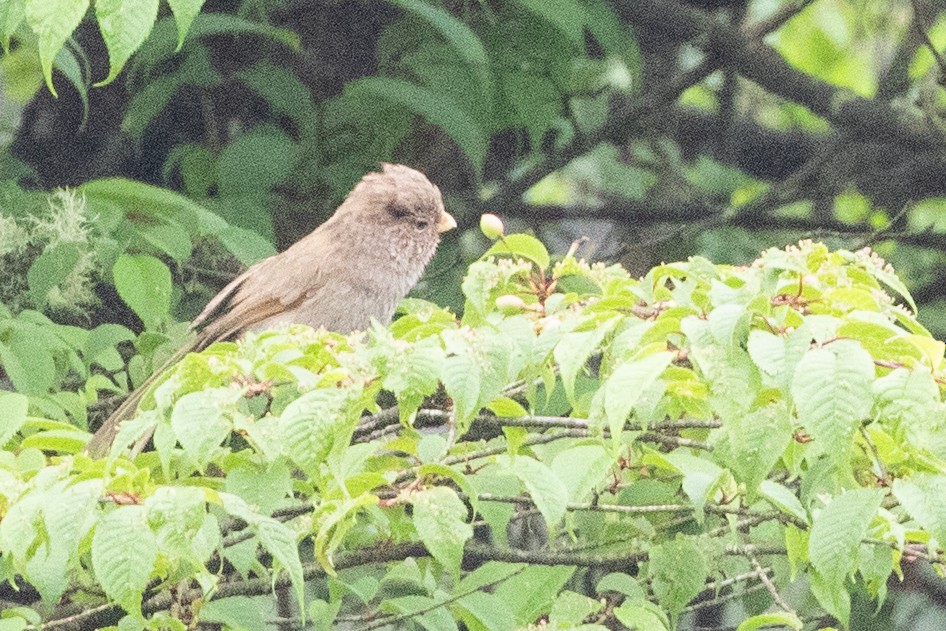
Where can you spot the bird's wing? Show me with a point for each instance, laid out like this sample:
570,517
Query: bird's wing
269,288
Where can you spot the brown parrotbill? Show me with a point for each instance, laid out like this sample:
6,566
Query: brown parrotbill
352,269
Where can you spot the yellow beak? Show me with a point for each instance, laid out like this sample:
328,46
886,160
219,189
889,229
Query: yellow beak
446,222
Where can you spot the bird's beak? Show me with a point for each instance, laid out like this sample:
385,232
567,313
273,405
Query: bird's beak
446,222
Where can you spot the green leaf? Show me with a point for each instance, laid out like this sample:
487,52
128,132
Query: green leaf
782,497
256,162
460,37
570,609
678,572
333,519
571,353
832,393
140,202
766,620
104,337
907,396
144,283
646,616
310,424
68,514
438,109
833,596
247,246
537,102
440,519
582,469
53,22
890,279
11,14
701,478
922,496
239,613
13,408
751,444
27,363
627,384
622,584
202,420
279,540
481,610
837,532
184,13
523,246
50,269
125,25
172,239
285,94
566,15
462,377
546,490
124,551
530,593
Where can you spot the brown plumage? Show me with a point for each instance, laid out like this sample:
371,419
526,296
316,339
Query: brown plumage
353,268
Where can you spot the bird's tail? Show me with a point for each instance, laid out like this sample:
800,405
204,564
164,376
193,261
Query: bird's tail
101,442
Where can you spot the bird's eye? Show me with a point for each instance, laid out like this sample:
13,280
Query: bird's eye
421,224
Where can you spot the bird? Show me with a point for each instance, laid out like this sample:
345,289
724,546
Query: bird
353,269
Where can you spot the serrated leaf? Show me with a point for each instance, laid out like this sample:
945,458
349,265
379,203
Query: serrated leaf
333,519
144,283
124,25
833,596
922,496
524,246
909,396
486,611
837,531
440,519
622,584
68,514
124,551
627,384
678,572
507,408
184,13
12,13
202,420
462,378
832,394
546,490
279,540
890,279
53,23
753,443
571,353
309,426
582,469
530,593
783,498
701,478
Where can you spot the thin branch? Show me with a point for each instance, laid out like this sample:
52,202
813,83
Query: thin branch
393,620
764,577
